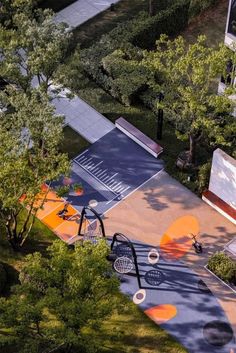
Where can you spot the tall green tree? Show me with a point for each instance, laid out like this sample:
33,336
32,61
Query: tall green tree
188,77
62,300
30,136
32,45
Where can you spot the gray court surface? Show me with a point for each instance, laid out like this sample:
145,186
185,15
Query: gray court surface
112,168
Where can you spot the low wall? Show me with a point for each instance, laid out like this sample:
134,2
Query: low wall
223,177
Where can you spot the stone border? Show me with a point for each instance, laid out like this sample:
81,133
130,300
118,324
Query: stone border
227,285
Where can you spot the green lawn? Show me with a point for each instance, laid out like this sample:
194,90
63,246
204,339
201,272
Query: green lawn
134,332
92,30
73,143
212,23
55,5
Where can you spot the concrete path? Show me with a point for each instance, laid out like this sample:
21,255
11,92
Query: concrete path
148,213
81,117
81,11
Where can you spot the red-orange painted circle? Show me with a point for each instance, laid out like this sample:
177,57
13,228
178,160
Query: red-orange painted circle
161,313
177,241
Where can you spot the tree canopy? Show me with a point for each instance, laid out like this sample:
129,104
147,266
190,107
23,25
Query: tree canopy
32,44
187,75
30,136
62,300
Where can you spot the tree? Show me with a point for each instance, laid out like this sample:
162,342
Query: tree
32,45
187,75
62,300
151,7
30,136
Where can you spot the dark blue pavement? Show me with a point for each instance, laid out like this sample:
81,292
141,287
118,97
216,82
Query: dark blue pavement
110,170
200,323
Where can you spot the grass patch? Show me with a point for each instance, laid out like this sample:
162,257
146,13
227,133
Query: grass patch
211,22
92,30
134,332
55,5
73,143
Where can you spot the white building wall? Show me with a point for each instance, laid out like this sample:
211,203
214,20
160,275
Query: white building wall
223,177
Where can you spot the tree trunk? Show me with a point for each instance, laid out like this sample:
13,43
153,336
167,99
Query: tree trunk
151,8
192,150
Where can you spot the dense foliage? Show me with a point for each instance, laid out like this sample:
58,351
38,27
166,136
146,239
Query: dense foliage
62,300
140,32
223,266
31,48
186,75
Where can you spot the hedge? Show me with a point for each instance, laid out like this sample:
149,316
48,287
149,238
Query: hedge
141,32
170,22
223,267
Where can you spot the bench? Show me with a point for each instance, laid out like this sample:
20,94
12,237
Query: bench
136,135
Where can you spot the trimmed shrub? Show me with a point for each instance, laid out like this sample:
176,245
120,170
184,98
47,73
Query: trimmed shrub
112,69
204,176
3,277
170,22
223,266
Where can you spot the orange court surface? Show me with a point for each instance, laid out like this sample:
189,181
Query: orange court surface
65,228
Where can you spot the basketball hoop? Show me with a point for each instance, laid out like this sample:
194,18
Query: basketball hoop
123,265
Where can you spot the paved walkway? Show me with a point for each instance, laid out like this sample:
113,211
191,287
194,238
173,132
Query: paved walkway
150,211
82,10
81,117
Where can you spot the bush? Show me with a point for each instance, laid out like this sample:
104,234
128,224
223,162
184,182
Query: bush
146,32
223,267
3,277
106,61
204,177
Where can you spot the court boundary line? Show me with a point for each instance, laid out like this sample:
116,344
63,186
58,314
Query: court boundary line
117,203
153,176
94,176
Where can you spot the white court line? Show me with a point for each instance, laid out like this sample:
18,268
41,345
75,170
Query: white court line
128,187
106,178
96,165
90,165
132,192
120,188
68,219
52,210
112,176
83,158
107,187
88,162
81,154
116,186
100,173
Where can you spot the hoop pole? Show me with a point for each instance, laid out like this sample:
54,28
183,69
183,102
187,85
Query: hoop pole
83,213
114,239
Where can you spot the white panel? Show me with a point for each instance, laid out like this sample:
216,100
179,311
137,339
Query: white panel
223,177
